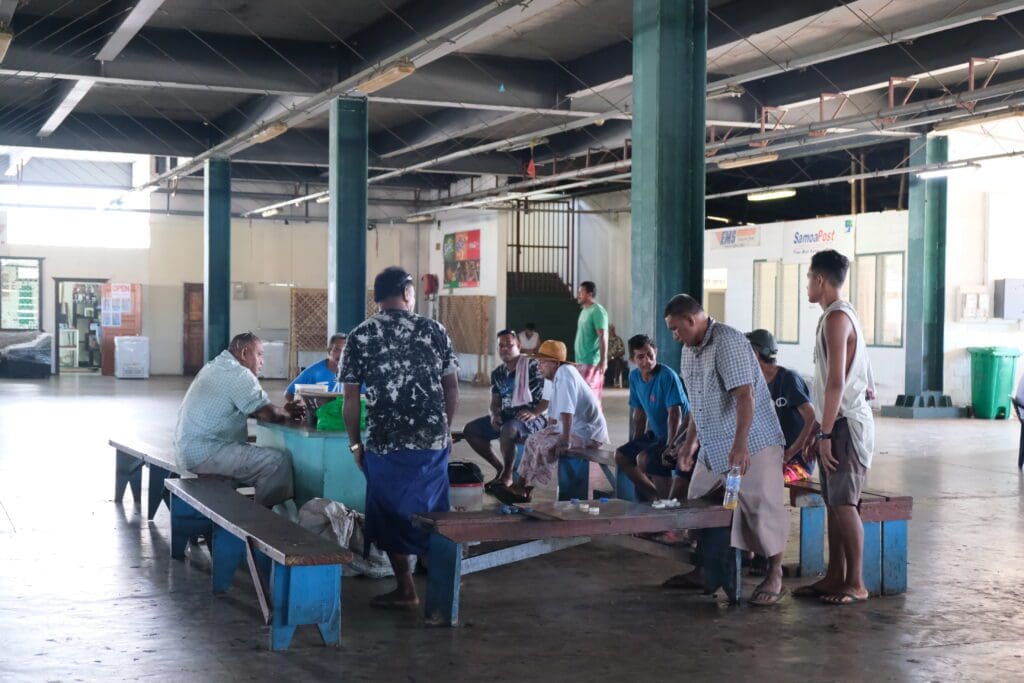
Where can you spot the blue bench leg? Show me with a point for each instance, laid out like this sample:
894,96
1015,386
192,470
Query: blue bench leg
625,489
305,595
722,563
573,479
186,524
127,472
894,557
873,557
812,541
442,606
156,493
228,552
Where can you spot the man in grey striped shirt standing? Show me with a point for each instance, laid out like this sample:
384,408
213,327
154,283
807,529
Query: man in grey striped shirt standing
736,425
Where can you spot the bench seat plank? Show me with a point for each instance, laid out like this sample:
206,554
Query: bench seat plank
874,506
150,453
276,537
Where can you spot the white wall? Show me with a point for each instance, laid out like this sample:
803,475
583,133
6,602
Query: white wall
262,252
984,243
868,233
493,226
603,244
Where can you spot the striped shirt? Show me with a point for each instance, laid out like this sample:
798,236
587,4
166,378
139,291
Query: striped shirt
721,363
214,411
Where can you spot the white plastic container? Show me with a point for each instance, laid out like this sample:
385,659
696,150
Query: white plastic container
131,357
466,497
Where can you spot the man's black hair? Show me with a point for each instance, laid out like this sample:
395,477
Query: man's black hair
340,336
507,332
390,282
637,342
831,265
682,304
240,341
589,287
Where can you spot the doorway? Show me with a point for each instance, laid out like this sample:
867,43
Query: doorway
192,353
79,335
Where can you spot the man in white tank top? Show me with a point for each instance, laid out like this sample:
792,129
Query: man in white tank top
844,439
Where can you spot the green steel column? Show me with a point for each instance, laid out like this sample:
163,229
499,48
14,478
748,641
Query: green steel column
216,256
669,83
926,271
346,232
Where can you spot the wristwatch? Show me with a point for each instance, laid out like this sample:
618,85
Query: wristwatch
356,447
822,436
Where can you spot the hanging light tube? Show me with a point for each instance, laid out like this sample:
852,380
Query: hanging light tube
784,193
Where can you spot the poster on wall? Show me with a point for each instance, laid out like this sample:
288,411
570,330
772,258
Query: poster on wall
804,239
462,259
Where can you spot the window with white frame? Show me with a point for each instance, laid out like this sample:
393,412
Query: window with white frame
20,303
877,292
777,300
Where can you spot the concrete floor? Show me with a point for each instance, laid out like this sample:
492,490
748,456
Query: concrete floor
88,590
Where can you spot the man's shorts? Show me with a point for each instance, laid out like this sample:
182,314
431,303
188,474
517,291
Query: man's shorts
654,448
843,486
482,428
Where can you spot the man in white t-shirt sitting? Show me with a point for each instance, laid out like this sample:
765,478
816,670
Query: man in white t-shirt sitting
529,339
576,422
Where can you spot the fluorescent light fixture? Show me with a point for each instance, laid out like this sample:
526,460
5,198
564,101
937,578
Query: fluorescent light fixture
545,195
947,170
278,284
519,146
269,132
969,121
421,218
718,219
769,195
324,199
270,213
387,76
5,41
743,162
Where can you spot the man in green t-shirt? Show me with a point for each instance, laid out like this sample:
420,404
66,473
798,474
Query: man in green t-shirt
591,338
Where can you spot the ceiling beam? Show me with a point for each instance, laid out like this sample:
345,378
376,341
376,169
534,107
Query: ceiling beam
7,10
67,95
165,58
442,27
129,27
70,93
938,50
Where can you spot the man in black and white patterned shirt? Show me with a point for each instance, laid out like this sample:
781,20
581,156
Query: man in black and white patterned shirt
410,371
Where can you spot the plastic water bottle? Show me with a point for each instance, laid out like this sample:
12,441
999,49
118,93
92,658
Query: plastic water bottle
732,488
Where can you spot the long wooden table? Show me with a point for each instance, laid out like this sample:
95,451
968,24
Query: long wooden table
553,526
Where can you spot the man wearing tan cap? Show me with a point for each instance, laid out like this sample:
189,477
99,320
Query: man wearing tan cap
576,421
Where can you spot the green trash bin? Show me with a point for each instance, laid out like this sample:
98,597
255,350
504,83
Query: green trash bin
992,371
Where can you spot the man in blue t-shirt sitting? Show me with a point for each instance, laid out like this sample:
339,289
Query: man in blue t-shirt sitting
792,399
659,412
324,372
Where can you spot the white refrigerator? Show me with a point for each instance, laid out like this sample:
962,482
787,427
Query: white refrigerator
131,357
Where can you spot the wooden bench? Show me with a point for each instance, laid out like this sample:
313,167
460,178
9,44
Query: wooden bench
885,535
131,453
452,531
297,574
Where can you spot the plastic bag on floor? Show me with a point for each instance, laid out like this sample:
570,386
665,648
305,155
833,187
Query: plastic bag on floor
331,519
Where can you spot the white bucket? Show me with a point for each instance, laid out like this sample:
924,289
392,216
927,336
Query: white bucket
466,497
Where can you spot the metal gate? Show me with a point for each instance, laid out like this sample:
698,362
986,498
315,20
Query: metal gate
541,253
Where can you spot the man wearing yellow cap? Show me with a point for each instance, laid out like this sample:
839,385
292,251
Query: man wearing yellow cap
576,422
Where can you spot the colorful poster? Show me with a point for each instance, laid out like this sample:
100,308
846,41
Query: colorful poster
462,259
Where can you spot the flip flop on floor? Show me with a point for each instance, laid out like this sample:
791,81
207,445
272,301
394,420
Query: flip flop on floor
841,599
492,484
509,496
808,591
683,581
770,598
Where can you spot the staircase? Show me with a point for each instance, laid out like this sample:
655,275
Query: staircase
545,300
